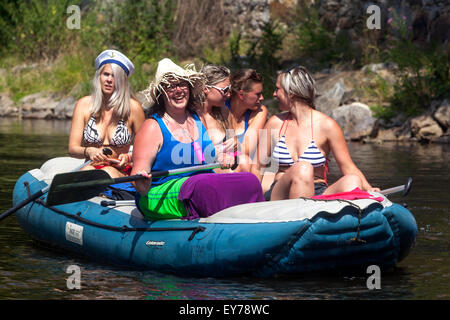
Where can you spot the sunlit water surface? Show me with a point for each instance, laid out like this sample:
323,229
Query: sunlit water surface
28,271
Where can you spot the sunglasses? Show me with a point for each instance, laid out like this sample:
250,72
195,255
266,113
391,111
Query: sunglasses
173,86
224,91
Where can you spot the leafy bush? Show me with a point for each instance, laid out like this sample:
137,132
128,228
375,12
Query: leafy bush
35,29
422,73
312,39
259,53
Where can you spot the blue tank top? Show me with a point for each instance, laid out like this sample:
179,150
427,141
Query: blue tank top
247,117
176,155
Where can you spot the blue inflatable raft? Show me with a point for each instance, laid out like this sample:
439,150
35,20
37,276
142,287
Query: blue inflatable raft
259,239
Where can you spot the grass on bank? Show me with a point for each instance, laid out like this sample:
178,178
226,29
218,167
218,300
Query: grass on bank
64,62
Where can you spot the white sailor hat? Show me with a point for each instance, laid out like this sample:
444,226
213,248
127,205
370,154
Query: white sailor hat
114,56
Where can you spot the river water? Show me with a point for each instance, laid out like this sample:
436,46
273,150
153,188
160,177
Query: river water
28,271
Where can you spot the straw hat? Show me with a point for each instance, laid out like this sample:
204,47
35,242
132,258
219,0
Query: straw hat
114,56
168,72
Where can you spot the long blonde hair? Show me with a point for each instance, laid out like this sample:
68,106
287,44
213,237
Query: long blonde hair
120,99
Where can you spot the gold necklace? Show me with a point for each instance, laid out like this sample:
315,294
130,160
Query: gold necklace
185,131
195,145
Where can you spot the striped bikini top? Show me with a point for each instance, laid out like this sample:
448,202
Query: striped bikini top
121,137
312,154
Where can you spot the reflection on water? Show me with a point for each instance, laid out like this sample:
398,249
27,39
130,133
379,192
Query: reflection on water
28,271
34,127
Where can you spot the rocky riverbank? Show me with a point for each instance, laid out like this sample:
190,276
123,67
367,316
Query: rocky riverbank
343,95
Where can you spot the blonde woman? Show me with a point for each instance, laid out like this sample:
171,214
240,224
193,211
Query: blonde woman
214,114
299,141
105,123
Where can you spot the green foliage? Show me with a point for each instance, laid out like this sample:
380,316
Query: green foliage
422,73
260,54
142,29
35,29
314,40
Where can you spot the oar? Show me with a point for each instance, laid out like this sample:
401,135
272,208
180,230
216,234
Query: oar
405,188
34,196
83,185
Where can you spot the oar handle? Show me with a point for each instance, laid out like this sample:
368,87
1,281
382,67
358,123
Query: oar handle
164,173
405,188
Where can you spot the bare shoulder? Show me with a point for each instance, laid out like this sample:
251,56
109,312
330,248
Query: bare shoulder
151,126
84,103
276,120
135,104
83,107
326,123
259,116
136,107
261,112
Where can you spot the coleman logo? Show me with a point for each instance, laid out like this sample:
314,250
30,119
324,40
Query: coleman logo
154,243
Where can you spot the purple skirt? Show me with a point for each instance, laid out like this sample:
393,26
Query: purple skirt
206,194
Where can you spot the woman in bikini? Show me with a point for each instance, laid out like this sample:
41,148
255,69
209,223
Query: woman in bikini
214,114
248,115
298,142
104,123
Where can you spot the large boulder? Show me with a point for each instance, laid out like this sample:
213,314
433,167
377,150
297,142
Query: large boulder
355,119
64,108
442,114
44,105
40,105
7,107
330,99
425,128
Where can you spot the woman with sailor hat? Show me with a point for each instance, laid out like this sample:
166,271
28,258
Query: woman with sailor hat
104,123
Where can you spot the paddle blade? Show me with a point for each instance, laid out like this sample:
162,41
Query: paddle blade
77,186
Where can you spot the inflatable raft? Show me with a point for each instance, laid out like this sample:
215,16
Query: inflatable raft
259,239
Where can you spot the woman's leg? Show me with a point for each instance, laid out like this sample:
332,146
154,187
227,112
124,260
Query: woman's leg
298,181
344,184
113,172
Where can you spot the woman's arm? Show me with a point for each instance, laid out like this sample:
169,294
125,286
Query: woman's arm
264,147
81,113
137,117
338,146
257,122
147,143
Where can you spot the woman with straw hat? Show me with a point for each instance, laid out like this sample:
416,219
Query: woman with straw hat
104,123
173,138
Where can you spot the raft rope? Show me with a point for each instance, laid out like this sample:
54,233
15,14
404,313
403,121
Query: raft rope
355,239
123,228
